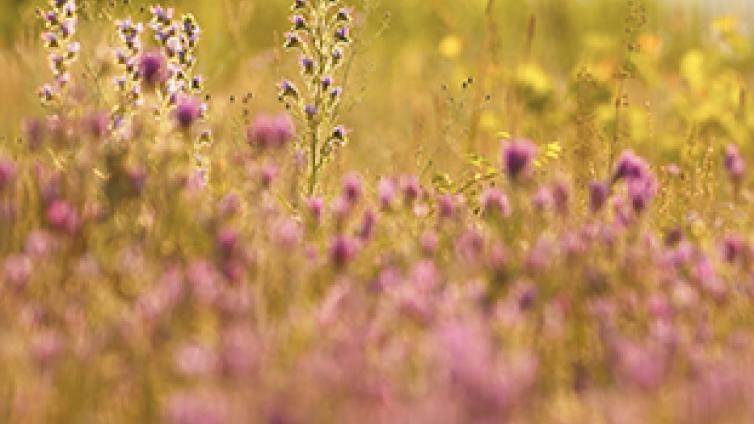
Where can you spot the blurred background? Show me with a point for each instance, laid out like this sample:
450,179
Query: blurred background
425,70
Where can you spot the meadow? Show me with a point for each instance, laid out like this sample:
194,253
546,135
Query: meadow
316,211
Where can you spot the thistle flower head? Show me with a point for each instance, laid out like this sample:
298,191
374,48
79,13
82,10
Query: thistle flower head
598,194
270,132
734,163
518,158
187,111
152,68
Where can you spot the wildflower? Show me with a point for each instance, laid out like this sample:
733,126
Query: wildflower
429,243
61,216
734,247
152,68
238,352
316,206
96,124
630,166
734,163
288,234
270,132
386,191
598,193
195,360
641,192
410,187
368,222
187,111
560,197
446,206
495,203
8,171
18,270
342,251
227,240
352,188
268,173
518,157
188,408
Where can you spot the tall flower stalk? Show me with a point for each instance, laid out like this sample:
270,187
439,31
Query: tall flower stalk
60,23
320,33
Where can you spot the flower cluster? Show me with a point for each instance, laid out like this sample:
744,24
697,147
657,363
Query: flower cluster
320,33
135,67
60,23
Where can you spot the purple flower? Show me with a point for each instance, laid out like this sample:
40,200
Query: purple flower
446,206
368,222
341,34
641,192
8,171
194,409
270,131
734,247
495,203
734,163
342,251
386,191
63,217
598,193
518,157
410,187
316,206
18,270
187,111
152,68
630,166
227,240
195,360
96,124
352,188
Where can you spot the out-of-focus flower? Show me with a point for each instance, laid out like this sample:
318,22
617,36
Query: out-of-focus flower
270,132
187,111
518,158
342,251
734,163
598,194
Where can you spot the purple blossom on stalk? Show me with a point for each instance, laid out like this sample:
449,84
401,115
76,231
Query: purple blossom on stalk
270,132
153,69
227,240
446,206
63,217
734,247
18,270
188,408
187,112
386,192
368,223
410,187
598,194
734,163
631,167
495,203
8,171
518,158
641,192
352,188
316,206
342,251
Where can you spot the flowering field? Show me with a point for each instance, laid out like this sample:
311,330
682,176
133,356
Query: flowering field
357,211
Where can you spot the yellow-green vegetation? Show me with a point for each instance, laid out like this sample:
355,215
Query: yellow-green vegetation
441,211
